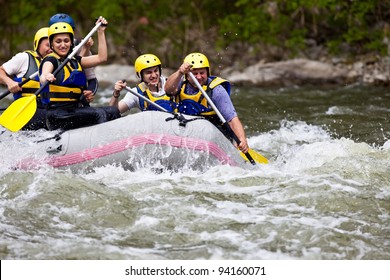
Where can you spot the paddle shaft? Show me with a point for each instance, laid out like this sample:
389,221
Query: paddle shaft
70,56
147,100
224,123
32,76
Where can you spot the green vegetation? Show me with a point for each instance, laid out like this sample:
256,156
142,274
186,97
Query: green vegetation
226,30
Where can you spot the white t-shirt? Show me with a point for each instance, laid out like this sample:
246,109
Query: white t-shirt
132,101
17,65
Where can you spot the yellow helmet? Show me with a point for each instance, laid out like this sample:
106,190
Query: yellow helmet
198,60
59,28
146,61
41,34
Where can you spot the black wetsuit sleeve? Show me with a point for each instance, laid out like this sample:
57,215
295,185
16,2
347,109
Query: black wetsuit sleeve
78,58
51,59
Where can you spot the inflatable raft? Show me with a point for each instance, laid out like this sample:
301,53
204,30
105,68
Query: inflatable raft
145,139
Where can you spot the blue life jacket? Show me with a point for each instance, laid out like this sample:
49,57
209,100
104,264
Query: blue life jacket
196,104
69,84
164,100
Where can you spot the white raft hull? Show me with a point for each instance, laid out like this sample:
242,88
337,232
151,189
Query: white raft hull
145,139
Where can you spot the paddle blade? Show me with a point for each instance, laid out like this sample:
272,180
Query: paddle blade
19,113
256,157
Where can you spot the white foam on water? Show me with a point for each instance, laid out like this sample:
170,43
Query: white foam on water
318,198
341,110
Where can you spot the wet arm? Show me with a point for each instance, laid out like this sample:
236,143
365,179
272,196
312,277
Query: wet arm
238,129
225,106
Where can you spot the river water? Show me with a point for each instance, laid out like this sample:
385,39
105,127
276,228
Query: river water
325,193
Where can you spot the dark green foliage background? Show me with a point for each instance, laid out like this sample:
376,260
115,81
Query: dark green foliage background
274,30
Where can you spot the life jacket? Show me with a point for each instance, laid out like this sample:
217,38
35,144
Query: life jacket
196,104
34,60
163,100
69,84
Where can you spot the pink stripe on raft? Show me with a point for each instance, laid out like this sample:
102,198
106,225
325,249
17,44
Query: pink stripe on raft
128,143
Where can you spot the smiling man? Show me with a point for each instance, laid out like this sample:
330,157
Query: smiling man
151,86
191,101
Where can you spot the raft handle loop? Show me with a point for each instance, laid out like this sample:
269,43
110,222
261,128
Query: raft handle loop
52,150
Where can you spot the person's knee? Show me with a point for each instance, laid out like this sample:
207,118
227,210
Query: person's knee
112,112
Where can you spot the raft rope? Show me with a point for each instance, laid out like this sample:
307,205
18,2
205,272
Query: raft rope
57,137
182,120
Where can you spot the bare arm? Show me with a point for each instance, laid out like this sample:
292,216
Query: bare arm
238,129
122,106
86,49
10,83
172,84
47,72
101,56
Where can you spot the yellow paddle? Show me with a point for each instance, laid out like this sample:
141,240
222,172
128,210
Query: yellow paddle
248,155
256,156
23,109
19,113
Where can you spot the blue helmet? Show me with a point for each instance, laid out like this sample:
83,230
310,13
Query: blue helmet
62,18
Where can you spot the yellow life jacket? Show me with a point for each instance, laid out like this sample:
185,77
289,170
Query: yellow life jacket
70,82
196,104
164,100
30,87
